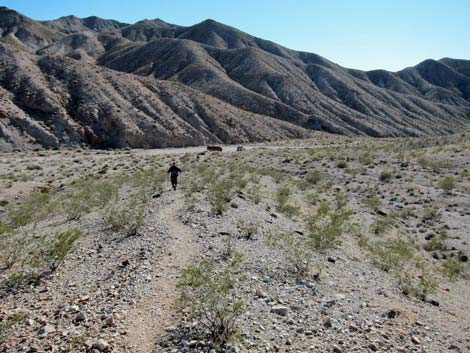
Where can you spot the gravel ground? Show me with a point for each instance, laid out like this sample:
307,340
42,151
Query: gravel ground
117,293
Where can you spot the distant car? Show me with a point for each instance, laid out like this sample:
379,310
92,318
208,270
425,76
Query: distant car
214,148
240,148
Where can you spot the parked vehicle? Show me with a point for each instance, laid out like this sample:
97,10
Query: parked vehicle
240,148
214,148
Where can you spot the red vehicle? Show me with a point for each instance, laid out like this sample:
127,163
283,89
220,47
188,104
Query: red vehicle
214,148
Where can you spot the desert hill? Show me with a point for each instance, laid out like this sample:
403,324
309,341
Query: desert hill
104,83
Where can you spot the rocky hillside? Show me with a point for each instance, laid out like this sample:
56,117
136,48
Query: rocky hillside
104,83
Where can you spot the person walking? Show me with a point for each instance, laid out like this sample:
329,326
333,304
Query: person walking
174,173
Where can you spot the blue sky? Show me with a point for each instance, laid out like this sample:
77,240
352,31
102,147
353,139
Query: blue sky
361,34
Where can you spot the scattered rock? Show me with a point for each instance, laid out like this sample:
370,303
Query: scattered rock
280,310
46,329
101,345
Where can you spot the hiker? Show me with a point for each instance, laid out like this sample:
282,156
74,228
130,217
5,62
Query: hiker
174,172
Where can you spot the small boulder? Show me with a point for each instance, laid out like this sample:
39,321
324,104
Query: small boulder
101,345
280,310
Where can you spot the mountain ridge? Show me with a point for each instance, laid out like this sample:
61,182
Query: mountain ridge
227,66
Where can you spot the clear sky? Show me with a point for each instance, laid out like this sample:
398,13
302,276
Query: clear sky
361,34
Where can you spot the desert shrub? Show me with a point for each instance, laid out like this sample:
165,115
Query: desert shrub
448,184
86,195
5,228
8,323
454,269
366,159
255,195
282,201
431,214
297,252
209,292
342,164
312,198
406,213
329,223
324,231
417,281
11,249
35,208
61,247
220,194
313,177
193,186
127,214
398,256
277,176
423,162
436,244
438,165
34,256
385,176
148,181
372,202
392,254
206,172
228,250
247,229
383,224
239,183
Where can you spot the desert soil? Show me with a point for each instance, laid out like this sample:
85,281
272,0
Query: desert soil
117,290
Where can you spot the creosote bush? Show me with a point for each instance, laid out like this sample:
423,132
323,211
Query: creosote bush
282,197
127,214
454,269
385,176
32,256
417,280
35,208
8,324
329,223
414,276
86,195
372,202
313,177
247,230
62,246
325,229
392,254
208,291
448,184
220,194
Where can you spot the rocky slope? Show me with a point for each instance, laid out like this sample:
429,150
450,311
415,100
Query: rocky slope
62,83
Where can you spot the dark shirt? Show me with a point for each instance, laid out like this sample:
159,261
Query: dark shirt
174,171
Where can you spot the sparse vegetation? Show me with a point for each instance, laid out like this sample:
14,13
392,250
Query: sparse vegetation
290,211
127,215
313,177
372,202
247,230
329,223
448,184
209,293
220,194
8,323
282,198
454,269
392,254
385,176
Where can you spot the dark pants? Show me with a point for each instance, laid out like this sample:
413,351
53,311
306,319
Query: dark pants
174,182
